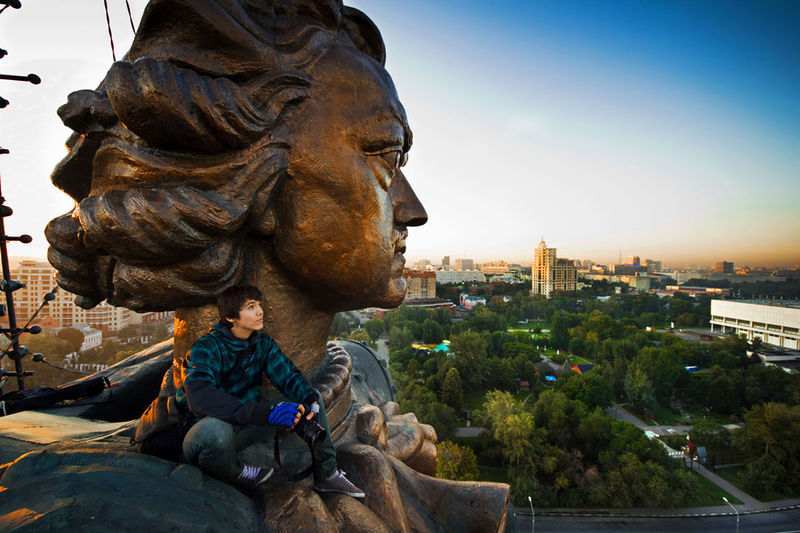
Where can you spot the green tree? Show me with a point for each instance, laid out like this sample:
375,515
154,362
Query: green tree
421,401
432,332
707,432
128,332
592,389
770,436
73,337
413,368
470,356
512,426
639,389
452,391
53,348
399,338
340,325
161,332
375,328
456,462
576,346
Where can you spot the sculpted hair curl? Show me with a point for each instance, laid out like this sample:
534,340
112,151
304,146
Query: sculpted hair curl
177,155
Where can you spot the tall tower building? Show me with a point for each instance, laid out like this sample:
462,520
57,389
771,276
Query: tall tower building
549,273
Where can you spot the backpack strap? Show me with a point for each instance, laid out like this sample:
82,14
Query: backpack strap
297,476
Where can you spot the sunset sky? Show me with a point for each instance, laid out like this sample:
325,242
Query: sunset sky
669,130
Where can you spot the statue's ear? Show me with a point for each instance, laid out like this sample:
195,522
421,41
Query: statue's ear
364,34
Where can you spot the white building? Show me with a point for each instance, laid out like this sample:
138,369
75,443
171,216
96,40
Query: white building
92,338
459,276
776,323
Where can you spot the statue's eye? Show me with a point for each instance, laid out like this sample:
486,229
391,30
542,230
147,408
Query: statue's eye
389,160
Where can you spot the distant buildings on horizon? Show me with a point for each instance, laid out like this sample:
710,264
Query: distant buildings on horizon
38,278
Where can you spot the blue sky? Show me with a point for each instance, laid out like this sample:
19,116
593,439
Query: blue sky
669,130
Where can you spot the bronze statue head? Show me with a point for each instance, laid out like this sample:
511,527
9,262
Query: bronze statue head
236,132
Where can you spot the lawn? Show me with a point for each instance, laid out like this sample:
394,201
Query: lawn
660,416
578,360
709,494
475,399
735,476
489,473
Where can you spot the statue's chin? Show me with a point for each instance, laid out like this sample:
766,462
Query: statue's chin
395,293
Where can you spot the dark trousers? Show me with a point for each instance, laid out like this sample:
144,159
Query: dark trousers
213,445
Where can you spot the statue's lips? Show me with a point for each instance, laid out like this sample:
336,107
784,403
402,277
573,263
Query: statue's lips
398,262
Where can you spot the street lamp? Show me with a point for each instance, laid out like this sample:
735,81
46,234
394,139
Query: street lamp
732,507
530,501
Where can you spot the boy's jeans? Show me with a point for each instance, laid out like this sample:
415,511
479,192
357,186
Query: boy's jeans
213,445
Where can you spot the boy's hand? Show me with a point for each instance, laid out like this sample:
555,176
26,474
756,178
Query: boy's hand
286,414
313,411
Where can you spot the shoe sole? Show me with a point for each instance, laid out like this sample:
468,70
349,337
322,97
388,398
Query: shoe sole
351,494
265,478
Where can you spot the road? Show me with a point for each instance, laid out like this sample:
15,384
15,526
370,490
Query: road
620,413
766,522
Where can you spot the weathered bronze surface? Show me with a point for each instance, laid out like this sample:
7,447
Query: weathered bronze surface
260,142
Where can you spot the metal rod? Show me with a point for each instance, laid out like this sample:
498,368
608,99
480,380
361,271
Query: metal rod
33,78
12,316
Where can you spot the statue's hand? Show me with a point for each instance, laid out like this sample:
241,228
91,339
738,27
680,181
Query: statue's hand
402,436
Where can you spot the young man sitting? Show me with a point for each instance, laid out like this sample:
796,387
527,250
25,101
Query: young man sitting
222,379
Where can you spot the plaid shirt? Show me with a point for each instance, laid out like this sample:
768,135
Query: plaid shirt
235,367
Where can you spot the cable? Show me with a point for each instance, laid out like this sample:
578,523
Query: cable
23,328
45,361
110,36
130,17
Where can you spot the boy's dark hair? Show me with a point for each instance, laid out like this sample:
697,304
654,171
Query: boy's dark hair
232,299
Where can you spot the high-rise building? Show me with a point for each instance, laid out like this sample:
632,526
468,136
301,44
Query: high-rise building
724,266
465,264
446,262
549,273
420,284
652,265
38,278
632,260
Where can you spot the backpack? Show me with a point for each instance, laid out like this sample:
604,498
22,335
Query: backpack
42,397
162,428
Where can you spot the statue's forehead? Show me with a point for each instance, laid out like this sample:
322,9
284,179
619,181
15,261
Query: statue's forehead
356,84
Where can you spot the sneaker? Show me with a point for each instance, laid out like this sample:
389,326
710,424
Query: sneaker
253,476
338,482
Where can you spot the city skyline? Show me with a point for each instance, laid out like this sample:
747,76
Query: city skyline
669,130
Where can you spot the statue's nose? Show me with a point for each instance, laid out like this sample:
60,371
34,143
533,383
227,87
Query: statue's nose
408,210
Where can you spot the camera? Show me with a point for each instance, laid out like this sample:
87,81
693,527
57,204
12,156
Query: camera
310,431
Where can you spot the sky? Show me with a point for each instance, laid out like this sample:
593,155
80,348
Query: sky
664,129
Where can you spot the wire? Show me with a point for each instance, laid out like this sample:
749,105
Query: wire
23,328
45,361
130,17
110,36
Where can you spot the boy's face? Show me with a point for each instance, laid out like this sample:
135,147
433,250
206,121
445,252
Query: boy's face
251,318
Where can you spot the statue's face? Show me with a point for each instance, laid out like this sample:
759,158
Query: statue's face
344,209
